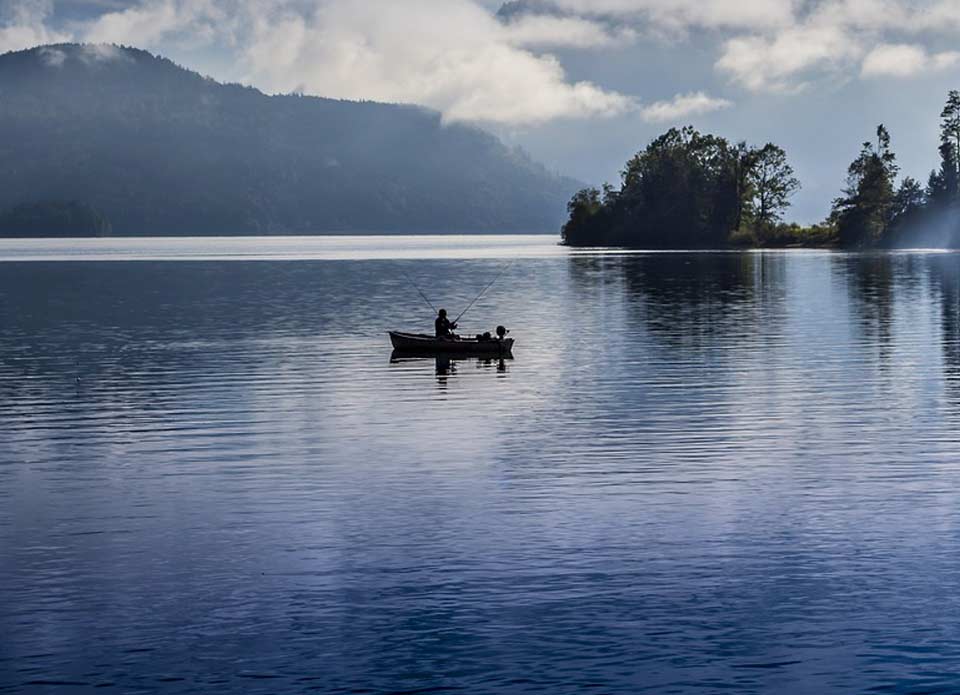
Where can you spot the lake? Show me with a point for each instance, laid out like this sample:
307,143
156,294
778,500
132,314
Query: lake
701,472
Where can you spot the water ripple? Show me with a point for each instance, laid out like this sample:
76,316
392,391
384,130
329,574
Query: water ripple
700,473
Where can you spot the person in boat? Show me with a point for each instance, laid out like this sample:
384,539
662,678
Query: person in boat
443,326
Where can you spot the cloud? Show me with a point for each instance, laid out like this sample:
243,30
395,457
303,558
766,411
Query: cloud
843,38
470,64
681,15
452,55
23,24
783,61
89,53
682,106
905,60
102,53
786,45
191,22
575,32
52,57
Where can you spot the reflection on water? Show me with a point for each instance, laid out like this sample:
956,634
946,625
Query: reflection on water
700,472
446,364
946,293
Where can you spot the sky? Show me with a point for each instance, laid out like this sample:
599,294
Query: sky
580,84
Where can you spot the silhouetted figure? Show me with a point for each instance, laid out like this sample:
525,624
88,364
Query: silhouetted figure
443,326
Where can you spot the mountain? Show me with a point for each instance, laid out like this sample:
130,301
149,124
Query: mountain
159,150
41,219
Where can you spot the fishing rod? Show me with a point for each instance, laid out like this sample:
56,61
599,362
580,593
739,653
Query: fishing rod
419,291
486,287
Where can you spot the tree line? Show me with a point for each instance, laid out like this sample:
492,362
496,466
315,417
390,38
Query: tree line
687,189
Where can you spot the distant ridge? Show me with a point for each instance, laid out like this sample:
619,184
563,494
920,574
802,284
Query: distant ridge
160,150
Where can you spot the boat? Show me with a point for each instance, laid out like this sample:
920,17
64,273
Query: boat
429,344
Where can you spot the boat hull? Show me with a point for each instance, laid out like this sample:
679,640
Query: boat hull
428,344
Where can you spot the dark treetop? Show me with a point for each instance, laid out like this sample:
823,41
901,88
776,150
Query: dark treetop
157,149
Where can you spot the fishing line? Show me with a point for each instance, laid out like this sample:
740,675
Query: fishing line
419,291
487,287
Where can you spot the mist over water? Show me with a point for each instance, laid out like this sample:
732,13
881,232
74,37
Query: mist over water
700,472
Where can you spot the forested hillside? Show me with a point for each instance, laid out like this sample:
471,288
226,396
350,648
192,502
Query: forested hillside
159,150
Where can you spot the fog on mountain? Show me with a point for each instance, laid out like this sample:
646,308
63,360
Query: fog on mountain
158,150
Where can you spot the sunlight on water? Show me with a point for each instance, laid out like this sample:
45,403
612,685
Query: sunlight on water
279,248
699,472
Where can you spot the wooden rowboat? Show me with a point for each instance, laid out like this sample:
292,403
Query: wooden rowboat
426,344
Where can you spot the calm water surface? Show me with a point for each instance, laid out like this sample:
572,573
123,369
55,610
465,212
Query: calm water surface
701,472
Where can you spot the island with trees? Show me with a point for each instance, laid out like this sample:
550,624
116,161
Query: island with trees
693,190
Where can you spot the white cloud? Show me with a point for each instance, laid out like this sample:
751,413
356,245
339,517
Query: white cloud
152,22
786,45
23,24
938,17
944,60
783,61
459,58
52,57
682,106
102,53
552,31
687,14
452,55
905,60
840,38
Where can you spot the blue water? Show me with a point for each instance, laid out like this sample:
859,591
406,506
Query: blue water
700,473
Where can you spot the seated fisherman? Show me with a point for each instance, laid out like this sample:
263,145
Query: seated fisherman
443,327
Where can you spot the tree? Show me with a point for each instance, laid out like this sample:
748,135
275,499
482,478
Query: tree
943,187
950,145
906,214
864,214
681,191
772,184
583,208
909,199
940,214
686,189
743,159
